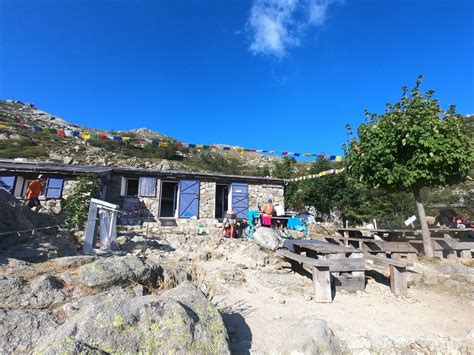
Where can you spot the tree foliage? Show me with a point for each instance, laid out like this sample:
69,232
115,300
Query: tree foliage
413,144
77,203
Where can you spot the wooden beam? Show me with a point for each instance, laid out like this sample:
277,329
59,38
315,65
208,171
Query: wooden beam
398,280
322,284
387,261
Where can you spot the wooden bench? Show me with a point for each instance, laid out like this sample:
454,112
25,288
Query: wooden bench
321,270
398,272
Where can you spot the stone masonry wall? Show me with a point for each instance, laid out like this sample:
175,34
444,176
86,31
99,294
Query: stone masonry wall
207,196
261,193
207,199
150,204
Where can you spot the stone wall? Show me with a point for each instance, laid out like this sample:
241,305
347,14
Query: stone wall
206,200
207,197
261,193
149,205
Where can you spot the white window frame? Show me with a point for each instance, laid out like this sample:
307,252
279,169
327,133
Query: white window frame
124,186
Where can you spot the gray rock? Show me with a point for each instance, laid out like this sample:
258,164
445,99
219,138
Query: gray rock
257,256
47,290
73,261
22,330
266,238
433,277
117,271
182,321
10,285
17,267
173,275
310,335
457,270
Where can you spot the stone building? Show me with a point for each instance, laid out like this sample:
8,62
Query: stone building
163,196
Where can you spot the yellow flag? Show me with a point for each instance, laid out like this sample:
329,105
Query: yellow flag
4,125
85,135
126,138
338,158
164,144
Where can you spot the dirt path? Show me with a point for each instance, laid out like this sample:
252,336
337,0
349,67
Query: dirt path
259,305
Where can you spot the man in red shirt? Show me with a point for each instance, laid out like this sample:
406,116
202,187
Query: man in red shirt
34,190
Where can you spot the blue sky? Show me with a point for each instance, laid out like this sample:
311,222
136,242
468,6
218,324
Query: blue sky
267,74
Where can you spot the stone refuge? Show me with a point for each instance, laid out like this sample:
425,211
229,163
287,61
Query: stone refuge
147,195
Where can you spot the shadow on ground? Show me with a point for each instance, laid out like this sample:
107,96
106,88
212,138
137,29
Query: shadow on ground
240,336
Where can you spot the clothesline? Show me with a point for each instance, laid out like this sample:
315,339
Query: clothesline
69,133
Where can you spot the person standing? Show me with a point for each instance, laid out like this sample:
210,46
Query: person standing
33,192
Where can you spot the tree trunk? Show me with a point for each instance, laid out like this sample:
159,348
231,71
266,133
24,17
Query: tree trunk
427,246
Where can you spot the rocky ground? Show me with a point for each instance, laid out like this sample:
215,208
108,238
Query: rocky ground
207,294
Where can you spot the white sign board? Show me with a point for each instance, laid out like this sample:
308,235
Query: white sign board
410,220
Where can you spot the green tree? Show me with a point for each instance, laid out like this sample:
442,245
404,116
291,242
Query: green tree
77,203
285,169
413,144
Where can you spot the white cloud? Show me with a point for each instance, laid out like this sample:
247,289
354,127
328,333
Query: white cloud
276,25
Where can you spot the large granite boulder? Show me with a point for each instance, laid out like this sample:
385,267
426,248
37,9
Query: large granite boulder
266,238
22,329
181,321
118,271
310,335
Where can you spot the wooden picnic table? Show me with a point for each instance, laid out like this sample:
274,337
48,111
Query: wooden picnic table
331,265
340,267
403,230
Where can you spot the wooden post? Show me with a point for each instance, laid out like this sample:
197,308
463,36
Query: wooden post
398,280
358,256
91,229
322,284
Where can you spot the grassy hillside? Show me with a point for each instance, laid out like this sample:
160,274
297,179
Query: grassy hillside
22,143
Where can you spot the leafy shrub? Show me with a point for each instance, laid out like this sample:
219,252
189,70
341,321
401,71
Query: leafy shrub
77,203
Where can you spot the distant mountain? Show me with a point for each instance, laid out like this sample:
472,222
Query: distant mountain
21,143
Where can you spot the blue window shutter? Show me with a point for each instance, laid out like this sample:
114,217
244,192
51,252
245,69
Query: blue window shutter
240,199
188,198
147,186
54,188
7,183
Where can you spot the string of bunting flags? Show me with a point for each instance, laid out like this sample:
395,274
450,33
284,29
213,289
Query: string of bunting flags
69,133
314,176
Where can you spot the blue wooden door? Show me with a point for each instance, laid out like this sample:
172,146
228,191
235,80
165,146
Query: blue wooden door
240,199
188,198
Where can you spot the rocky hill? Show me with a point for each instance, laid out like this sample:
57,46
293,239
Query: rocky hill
23,143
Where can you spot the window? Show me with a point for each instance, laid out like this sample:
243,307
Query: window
129,187
26,182
54,188
7,183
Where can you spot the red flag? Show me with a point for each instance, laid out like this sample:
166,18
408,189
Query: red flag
60,132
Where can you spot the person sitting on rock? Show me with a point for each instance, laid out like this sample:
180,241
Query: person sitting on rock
228,224
33,192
